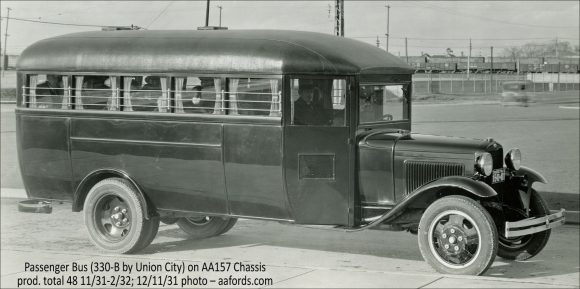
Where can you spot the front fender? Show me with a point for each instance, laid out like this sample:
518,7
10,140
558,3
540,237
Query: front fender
461,185
531,175
523,181
475,188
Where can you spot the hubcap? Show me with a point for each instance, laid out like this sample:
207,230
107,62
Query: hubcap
455,239
199,220
112,217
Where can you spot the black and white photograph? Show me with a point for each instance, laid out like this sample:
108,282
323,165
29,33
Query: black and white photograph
289,144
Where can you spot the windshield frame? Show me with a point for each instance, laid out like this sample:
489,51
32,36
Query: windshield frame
402,123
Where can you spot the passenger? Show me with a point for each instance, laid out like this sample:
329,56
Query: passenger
309,108
96,91
52,85
152,83
148,100
96,82
49,93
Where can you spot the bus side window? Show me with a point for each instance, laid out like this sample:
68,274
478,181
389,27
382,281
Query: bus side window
318,102
95,92
145,93
48,91
198,95
254,96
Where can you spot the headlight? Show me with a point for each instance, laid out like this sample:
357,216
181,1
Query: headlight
513,159
484,164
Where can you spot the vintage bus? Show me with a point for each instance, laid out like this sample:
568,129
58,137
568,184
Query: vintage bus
205,127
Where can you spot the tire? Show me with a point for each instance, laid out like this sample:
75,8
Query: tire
229,226
114,217
525,247
169,221
205,226
466,228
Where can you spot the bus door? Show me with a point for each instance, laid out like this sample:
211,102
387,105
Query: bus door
317,150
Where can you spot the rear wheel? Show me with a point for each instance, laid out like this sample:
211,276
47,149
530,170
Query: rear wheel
457,236
524,247
114,217
200,227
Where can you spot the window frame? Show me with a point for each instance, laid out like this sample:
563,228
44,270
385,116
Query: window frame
171,78
406,103
348,79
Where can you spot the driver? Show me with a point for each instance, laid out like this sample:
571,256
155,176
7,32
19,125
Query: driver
308,108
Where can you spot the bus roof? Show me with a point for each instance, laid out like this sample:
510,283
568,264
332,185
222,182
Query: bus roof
221,51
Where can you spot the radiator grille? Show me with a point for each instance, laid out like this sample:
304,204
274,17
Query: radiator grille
497,156
418,173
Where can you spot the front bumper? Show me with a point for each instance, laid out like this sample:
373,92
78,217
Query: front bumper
534,225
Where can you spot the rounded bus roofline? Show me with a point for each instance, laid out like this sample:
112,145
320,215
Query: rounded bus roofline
231,51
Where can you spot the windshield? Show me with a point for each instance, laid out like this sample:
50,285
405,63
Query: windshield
382,102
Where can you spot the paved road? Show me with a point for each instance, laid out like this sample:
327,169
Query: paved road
293,256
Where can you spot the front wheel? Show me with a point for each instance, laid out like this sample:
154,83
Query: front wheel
524,247
114,217
200,227
458,236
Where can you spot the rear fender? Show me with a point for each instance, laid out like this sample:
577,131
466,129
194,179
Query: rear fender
94,177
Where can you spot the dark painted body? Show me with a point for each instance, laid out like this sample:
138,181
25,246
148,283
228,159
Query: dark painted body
255,167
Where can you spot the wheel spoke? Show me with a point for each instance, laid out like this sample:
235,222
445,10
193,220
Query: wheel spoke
116,232
105,219
471,240
439,229
116,202
465,256
456,220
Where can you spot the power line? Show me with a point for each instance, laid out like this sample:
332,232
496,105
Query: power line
58,23
159,15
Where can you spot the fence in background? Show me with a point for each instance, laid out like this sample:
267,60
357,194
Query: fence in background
459,83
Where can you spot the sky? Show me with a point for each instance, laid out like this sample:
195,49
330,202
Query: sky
429,26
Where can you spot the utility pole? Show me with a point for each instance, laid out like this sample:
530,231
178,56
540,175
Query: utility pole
387,35
491,72
220,7
5,57
557,52
339,18
469,60
207,14
406,51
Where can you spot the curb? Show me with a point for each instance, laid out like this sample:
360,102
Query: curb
572,217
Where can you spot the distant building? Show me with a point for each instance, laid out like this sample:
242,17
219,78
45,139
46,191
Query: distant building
8,62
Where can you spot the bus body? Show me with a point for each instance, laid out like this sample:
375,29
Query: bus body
204,127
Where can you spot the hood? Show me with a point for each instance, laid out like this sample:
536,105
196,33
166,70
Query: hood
444,144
